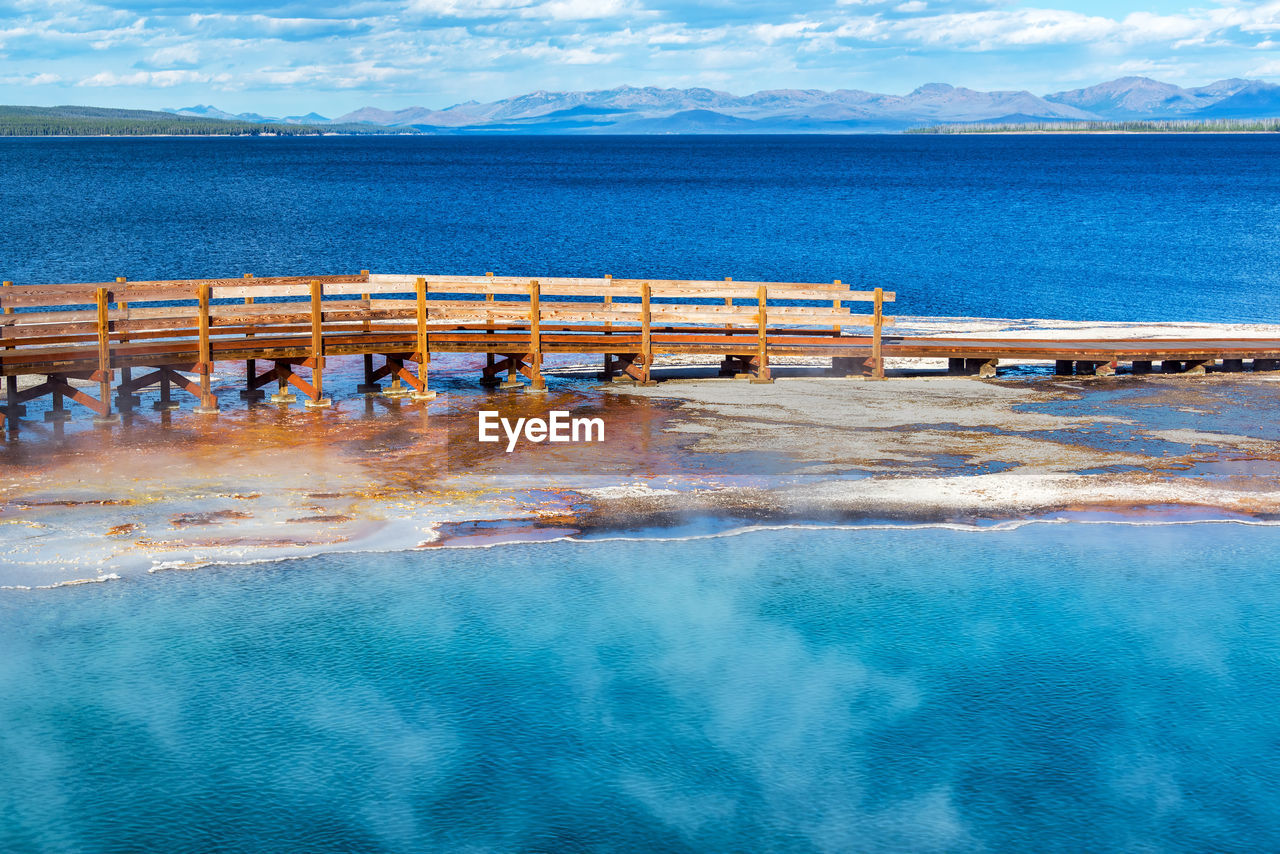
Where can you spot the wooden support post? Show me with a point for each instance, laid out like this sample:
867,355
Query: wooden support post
318,400
763,375
423,353
250,392
1171,366
877,350
370,385
490,376
105,415
208,403
1142,366
835,306
13,409
607,374
1266,364
58,412
728,301
283,395
126,400
646,337
537,385
1233,366
1064,367
1198,368
514,363
166,402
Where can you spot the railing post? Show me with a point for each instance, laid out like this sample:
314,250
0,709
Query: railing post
607,375
490,377
423,353
835,306
763,374
877,353
105,415
317,348
646,335
370,385
13,409
208,403
536,383
125,398
250,365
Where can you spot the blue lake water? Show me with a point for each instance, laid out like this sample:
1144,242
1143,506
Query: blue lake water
1055,688
1161,227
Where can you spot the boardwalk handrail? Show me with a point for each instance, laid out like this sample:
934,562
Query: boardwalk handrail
176,327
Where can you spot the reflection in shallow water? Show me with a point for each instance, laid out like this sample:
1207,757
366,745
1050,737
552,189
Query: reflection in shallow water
1053,688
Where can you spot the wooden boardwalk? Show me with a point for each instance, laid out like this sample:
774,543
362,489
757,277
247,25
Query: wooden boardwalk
128,336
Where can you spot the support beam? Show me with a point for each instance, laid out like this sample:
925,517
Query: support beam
283,372
1142,366
125,401
370,385
251,390
537,385
956,366
166,403
208,403
644,361
762,374
606,375
422,354
57,411
105,415
877,351
983,366
1198,368
316,399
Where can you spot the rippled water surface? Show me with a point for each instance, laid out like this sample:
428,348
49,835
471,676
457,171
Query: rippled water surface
1103,227
1064,687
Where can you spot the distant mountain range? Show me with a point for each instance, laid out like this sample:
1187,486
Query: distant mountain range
630,109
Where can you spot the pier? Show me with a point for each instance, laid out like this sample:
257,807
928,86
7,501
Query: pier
125,336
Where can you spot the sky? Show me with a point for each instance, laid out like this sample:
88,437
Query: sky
288,57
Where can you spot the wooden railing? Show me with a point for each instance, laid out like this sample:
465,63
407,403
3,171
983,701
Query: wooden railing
87,331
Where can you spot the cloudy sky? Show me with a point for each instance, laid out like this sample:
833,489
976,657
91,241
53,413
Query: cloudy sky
331,56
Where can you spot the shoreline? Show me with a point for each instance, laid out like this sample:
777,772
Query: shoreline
706,453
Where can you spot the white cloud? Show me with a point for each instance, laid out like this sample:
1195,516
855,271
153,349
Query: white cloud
45,79
159,79
439,51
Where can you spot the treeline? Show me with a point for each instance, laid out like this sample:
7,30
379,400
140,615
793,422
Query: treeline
1151,126
102,121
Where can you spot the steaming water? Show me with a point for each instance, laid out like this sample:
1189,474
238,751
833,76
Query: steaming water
1051,688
